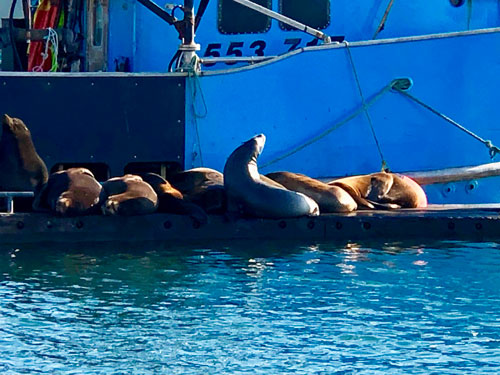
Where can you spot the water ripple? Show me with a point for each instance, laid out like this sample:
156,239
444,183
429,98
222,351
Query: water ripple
252,309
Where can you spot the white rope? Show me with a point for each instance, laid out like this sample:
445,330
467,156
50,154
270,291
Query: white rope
53,40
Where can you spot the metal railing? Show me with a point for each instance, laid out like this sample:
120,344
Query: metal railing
10,195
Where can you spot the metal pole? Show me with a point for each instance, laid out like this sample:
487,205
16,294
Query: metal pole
160,12
289,21
189,21
188,47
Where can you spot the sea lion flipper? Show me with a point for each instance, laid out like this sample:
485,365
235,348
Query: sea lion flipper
180,206
363,204
40,201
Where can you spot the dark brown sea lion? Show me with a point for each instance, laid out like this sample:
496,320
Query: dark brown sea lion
203,187
249,194
383,190
71,192
127,195
329,198
171,200
21,168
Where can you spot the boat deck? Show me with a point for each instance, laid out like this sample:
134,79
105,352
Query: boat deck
438,222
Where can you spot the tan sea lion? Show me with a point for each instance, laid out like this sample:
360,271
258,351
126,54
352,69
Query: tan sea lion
171,200
203,187
21,168
127,195
329,198
71,192
249,194
383,190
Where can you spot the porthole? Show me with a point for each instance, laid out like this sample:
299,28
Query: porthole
234,18
457,3
313,13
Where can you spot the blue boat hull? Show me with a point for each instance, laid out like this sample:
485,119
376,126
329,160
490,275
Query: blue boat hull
302,96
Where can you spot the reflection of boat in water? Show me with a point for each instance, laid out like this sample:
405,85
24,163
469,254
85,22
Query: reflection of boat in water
395,95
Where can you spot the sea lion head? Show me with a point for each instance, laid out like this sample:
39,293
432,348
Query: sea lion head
250,150
63,205
14,126
246,155
110,207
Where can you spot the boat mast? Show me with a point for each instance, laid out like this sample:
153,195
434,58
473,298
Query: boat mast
188,46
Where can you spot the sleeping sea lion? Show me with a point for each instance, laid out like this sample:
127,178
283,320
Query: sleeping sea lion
127,195
249,194
21,168
171,200
71,192
203,187
383,190
329,198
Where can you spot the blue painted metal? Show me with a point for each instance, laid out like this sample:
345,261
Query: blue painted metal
298,97
484,190
99,118
156,42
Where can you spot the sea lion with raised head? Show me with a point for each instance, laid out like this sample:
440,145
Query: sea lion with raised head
203,187
127,195
21,168
249,194
70,192
329,198
383,190
171,200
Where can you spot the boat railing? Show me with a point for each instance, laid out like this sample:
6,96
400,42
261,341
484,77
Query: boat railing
244,59
9,198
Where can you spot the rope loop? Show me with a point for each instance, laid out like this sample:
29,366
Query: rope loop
53,40
402,84
494,150
196,91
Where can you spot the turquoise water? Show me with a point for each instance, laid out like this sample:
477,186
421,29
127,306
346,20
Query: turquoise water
261,308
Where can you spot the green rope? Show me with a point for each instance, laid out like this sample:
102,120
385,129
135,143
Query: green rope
365,109
493,150
469,13
335,126
193,78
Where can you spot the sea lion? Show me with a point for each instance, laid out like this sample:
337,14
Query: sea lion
329,198
171,200
21,168
127,195
203,187
249,194
70,192
383,190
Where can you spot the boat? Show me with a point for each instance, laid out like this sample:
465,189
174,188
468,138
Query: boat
338,89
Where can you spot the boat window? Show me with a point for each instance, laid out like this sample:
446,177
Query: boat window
234,18
313,13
